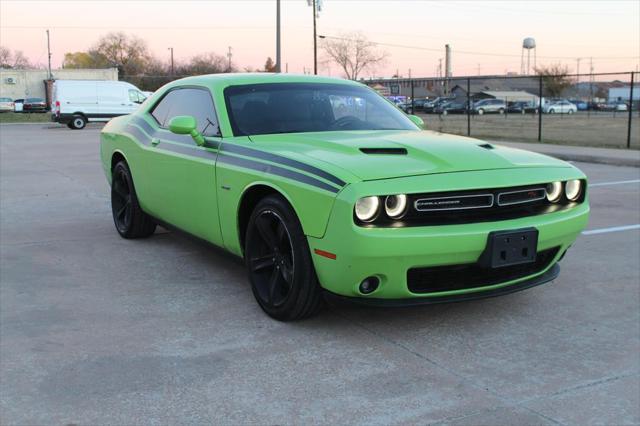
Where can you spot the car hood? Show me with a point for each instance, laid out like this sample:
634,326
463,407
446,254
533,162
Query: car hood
383,154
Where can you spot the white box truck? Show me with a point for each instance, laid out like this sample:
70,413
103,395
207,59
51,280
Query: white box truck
77,102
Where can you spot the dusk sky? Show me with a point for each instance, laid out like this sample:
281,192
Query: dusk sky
486,36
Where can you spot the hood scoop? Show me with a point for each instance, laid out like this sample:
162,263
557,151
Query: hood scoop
384,151
486,146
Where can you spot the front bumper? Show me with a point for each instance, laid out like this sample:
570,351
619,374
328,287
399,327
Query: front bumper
551,274
389,253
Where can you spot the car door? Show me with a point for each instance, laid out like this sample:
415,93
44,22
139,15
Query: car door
181,180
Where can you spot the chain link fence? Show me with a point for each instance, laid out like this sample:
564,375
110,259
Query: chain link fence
600,110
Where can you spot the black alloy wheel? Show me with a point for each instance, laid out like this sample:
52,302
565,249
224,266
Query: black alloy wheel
280,268
128,217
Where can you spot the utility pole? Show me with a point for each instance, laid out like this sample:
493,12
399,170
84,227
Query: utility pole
49,55
171,50
447,68
479,69
315,6
278,58
578,71
229,55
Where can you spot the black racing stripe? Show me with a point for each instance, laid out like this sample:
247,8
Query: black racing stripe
193,151
229,159
275,170
144,124
164,134
282,160
141,136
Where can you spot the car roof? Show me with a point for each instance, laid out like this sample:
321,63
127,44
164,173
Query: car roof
238,79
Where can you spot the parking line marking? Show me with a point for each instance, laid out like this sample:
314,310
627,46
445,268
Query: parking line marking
618,182
612,229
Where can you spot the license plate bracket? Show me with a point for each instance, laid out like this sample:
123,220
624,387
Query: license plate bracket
508,248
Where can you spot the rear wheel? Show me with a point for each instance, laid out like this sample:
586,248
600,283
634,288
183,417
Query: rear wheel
570,112
552,111
480,111
278,259
501,111
128,217
78,122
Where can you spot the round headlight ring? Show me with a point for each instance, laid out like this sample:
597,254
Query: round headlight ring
367,208
573,189
554,191
395,205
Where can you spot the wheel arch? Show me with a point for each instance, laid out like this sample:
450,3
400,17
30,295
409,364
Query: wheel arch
250,197
116,156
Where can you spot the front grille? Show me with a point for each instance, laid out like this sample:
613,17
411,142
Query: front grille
472,275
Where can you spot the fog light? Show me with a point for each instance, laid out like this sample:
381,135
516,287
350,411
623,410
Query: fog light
369,285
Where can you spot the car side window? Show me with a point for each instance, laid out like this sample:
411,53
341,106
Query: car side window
136,97
188,101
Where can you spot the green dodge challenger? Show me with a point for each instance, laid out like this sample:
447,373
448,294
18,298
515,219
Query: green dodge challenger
327,189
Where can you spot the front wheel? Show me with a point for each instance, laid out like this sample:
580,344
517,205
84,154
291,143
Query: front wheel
279,262
128,217
570,112
480,111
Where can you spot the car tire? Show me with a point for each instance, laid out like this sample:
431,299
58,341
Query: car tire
570,112
552,111
445,112
128,217
78,122
480,111
278,260
70,125
501,111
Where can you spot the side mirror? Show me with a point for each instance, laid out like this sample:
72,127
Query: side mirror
186,125
417,121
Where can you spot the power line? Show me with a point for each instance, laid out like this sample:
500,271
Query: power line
466,52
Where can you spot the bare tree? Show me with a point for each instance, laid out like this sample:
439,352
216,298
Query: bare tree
354,53
206,63
16,59
554,78
269,65
129,53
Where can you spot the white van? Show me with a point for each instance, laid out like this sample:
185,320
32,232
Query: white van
76,102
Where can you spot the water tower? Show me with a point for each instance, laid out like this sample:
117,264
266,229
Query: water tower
528,44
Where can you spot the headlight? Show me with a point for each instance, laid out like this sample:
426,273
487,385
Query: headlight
573,189
554,191
367,208
395,205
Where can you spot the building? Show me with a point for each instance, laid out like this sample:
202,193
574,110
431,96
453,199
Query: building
622,94
20,83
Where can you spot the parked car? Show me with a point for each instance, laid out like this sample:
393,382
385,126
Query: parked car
559,107
522,107
452,108
6,105
18,105
406,107
76,102
619,106
34,105
488,106
361,204
581,105
430,106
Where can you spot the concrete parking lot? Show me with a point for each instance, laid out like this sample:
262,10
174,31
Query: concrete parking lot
95,329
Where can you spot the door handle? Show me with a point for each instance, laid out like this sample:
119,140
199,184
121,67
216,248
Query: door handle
155,141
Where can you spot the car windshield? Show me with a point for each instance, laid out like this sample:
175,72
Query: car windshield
34,100
271,108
